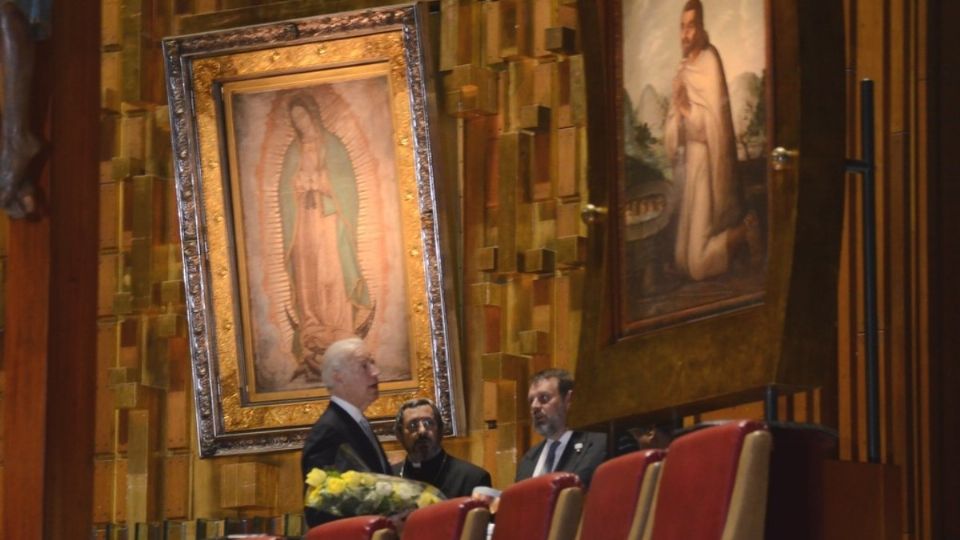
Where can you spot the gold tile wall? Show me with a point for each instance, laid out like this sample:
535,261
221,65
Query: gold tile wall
510,80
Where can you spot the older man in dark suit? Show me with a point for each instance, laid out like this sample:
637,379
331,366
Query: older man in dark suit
342,438
579,452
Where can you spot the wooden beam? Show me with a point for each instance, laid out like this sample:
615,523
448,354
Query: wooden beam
50,339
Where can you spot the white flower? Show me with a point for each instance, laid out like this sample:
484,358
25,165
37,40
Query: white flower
383,489
406,491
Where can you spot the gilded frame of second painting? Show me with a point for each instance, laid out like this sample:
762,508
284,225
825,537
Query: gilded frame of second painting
308,209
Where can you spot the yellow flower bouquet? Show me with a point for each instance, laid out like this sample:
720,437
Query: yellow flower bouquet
354,493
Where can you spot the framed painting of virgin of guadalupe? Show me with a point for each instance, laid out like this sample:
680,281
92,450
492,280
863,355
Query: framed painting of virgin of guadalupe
308,215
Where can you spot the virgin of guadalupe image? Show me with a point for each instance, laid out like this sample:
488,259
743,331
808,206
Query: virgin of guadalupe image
321,228
319,199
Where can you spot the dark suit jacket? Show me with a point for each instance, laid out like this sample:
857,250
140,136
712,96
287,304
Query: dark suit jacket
334,429
593,452
453,477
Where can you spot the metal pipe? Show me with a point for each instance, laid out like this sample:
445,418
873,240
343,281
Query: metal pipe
866,167
870,269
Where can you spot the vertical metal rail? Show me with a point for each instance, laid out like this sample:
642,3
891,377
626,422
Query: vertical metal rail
866,167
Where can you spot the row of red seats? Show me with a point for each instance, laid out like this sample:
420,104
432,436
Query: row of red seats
709,484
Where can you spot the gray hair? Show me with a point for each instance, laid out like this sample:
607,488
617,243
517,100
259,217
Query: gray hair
336,357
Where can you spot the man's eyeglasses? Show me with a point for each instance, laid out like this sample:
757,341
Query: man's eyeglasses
427,423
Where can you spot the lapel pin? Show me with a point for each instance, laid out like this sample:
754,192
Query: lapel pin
578,447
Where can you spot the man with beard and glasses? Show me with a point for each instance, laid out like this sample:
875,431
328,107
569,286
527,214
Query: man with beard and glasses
579,452
419,427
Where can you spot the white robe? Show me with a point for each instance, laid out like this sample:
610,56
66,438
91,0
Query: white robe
710,203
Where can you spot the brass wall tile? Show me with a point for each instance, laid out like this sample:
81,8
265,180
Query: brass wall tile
560,39
248,484
507,207
499,366
542,17
176,486
571,251
104,480
140,260
124,167
514,28
108,216
539,260
487,259
178,413
534,117
473,90
123,374
104,412
138,498
109,142
110,80
131,53
178,357
534,342
129,395
544,83
120,489
490,397
456,32
560,83
153,360
506,459
132,134
107,287
487,294
491,36
170,324
519,89
147,206
110,23
578,90
122,303
568,218
464,102
566,163
509,398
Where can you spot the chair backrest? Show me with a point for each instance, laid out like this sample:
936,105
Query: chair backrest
713,485
463,518
354,528
620,496
543,508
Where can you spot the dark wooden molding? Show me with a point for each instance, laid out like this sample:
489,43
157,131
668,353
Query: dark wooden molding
50,340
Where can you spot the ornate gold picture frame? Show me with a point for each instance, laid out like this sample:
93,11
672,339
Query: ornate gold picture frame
308,209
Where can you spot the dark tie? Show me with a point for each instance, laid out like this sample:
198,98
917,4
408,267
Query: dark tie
368,430
550,463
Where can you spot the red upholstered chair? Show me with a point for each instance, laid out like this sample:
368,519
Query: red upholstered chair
713,485
618,502
462,518
355,528
543,508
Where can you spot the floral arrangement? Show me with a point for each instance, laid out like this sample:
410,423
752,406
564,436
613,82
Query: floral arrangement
354,493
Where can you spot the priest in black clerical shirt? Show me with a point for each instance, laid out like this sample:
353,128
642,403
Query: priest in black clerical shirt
419,427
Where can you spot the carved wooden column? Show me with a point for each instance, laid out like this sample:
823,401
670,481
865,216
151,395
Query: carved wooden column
49,343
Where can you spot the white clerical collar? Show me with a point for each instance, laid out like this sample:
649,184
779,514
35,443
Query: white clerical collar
351,409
